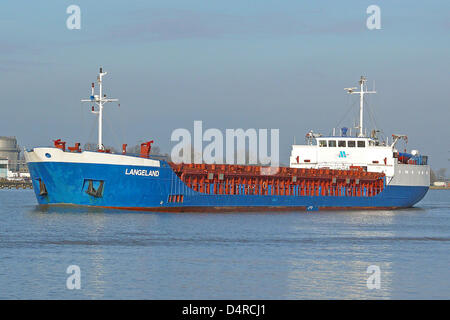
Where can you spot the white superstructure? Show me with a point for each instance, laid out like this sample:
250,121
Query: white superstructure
373,155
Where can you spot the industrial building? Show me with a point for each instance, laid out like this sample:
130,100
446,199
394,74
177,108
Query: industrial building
3,168
10,150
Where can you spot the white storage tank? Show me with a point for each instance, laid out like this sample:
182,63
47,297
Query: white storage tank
9,150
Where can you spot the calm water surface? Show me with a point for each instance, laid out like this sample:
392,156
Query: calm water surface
298,255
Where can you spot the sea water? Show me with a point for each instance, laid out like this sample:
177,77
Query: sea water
285,255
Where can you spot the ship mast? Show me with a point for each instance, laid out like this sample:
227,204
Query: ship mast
99,100
361,93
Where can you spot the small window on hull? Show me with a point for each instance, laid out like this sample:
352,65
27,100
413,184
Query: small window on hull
322,143
332,143
361,144
341,143
352,144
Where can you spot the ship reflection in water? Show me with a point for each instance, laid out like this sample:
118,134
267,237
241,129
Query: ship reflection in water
289,255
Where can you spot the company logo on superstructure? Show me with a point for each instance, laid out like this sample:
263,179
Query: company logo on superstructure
342,154
142,172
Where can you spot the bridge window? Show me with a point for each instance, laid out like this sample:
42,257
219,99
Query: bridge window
322,143
352,144
361,144
341,143
332,143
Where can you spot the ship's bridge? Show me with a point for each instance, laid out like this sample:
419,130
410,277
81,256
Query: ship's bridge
341,153
361,151
344,152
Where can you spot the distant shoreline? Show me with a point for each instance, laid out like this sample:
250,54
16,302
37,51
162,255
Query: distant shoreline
8,184
439,188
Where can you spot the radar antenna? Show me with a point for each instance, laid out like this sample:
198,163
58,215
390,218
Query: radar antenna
361,93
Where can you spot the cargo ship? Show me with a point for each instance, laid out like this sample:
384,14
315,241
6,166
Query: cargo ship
335,172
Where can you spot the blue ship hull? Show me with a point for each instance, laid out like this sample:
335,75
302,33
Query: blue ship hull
68,183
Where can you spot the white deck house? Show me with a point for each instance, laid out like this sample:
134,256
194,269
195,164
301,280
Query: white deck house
373,155
342,153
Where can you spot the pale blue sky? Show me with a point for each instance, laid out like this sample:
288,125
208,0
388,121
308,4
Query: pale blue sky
232,64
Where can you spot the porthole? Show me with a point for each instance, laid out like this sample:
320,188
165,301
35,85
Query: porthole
48,155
